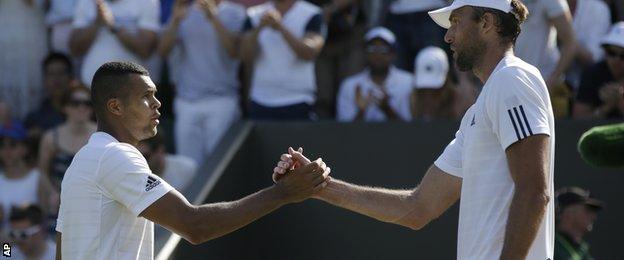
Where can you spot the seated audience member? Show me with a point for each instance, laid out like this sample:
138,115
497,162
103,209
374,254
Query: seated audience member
205,35
591,20
113,30
433,88
177,170
20,183
57,78
282,40
28,230
576,213
60,144
381,92
601,93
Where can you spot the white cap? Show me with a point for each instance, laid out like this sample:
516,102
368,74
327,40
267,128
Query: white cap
615,35
382,33
430,68
441,16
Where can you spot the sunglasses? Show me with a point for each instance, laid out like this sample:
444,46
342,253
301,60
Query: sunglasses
614,54
75,103
378,49
22,234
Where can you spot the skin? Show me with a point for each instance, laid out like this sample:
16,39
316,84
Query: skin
134,118
577,220
34,246
306,48
438,190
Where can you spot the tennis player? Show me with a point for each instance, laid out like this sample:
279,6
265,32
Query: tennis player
501,160
110,198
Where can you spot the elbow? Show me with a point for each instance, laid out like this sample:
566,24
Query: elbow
537,195
415,220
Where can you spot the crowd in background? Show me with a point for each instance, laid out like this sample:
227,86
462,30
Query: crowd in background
218,61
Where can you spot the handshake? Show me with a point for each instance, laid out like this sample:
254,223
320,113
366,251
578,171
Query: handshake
297,178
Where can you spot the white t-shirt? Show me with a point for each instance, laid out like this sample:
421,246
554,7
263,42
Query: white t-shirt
131,15
513,105
104,190
398,85
179,171
537,43
49,254
15,192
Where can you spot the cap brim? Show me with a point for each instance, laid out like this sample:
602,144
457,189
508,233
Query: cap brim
441,16
594,204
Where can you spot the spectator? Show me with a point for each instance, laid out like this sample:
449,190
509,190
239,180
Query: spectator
20,182
549,22
177,170
57,78
591,21
59,20
342,54
28,231
207,102
60,144
576,213
23,45
113,30
381,92
283,39
409,20
433,95
601,93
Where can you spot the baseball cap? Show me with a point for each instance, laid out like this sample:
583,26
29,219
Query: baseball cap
380,33
430,68
14,130
615,35
441,16
569,196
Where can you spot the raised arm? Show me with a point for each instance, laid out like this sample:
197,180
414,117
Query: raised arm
306,48
81,39
568,44
169,36
141,43
229,39
529,165
249,43
198,224
413,208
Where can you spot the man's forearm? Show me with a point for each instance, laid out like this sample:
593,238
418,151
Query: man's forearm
81,39
249,45
168,39
229,40
568,52
305,49
382,204
218,219
525,216
141,44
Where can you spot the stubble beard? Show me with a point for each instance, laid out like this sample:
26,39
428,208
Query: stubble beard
470,55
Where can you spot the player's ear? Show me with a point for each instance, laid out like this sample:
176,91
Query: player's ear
114,106
487,22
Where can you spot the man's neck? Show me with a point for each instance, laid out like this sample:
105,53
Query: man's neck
120,134
283,5
39,250
379,76
15,170
490,60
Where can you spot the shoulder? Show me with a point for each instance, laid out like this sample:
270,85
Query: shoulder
308,7
122,153
234,7
403,75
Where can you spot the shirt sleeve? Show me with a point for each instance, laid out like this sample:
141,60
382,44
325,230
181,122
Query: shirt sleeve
149,16
518,106
450,161
84,13
125,176
555,8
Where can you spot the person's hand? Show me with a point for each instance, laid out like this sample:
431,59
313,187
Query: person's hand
104,15
209,7
287,163
180,9
305,181
383,101
271,18
363,100
612,94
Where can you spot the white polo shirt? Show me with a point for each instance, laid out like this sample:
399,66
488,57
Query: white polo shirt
106,187
513,105
398,85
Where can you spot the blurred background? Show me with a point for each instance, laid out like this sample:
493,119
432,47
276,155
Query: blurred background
362,83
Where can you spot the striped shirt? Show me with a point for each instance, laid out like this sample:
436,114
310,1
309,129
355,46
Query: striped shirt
104,191
513,105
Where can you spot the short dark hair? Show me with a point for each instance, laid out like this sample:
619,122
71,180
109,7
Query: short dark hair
30,212
508,23
111,81
57,56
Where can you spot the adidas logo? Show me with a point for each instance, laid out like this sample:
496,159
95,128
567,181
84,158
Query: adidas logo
151,183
